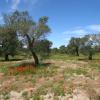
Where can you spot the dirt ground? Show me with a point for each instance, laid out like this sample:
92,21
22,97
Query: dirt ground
60,80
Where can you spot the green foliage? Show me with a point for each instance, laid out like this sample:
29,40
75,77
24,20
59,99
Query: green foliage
62,49
43,48
54,50
87,46
30,30
25,25
73,46
27,29
3,69
87,50
8,41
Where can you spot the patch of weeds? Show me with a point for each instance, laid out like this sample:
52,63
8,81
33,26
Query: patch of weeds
58,90
41,90
69,72
17,64
3,69
14,87
27,72
66,75
48,85
33,81
25,95
5,95
45,72
80,71
61,82
95,66
63,57
36,97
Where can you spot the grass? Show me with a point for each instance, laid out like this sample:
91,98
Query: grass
65,57
25,95
3,69
71,72
41,91
54,81
95,65
58,89
36,97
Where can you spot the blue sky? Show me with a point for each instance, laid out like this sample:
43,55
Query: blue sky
67,18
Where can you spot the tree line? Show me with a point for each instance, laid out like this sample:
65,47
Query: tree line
87,45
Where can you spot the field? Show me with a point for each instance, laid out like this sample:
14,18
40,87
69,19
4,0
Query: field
61,77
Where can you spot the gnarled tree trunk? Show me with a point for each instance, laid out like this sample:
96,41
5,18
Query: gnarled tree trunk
35,57
30,44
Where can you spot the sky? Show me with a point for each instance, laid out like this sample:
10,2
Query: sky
67,18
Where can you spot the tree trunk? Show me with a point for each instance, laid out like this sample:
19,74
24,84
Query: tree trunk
30,44
6,57
36,60
77,51
90,56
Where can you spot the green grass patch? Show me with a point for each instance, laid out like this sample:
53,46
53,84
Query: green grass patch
58,89
78,71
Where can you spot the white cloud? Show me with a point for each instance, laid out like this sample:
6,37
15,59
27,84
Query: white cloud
94,27
81,31
75,32
15,4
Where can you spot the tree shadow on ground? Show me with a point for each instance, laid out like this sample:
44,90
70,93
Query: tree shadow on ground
31,63
11,60
45,64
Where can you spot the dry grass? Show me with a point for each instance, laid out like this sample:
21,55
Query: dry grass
58,79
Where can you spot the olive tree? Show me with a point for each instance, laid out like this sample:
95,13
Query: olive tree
73,46
8,42
88,44
30,30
